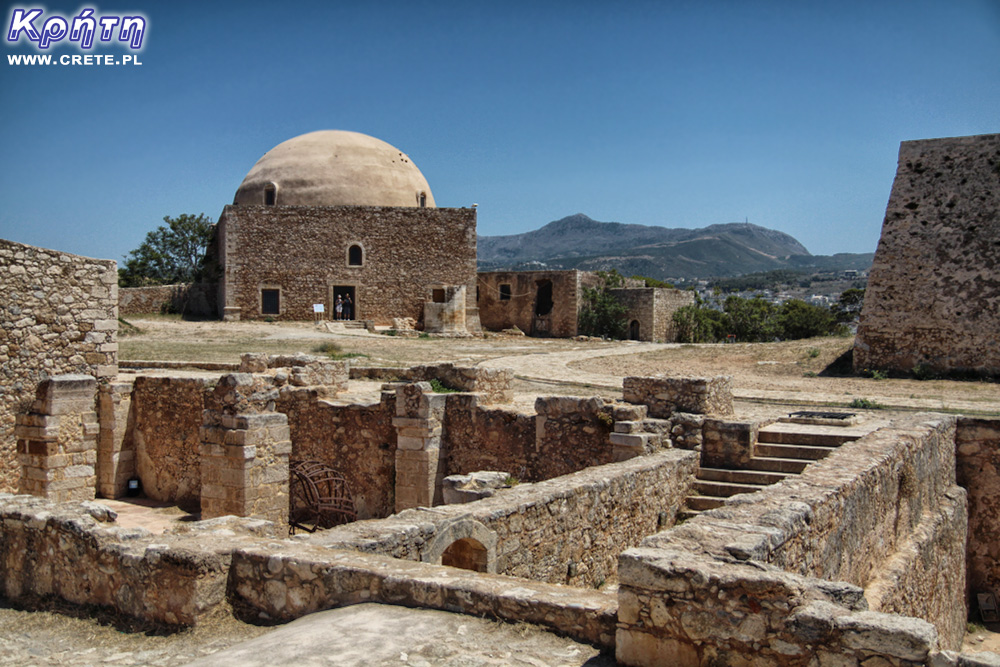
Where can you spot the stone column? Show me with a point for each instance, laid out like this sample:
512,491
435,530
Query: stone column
57,440
115,449
244,467
419,464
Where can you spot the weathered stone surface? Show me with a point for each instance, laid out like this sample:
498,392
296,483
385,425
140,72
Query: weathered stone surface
198,299
977,452
650,311
666,395
302,251
933,298
50,303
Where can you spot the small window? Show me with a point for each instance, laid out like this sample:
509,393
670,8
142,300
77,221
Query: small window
422,199
355,256
438,295
505,292
270,302
270,194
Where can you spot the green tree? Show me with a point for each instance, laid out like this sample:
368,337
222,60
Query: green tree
848,306
798,319
602,314
697,324
172,253
751,320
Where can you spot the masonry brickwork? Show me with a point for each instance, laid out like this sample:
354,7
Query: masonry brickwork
665,396
933,296
58,314
508,299
650,311
302,252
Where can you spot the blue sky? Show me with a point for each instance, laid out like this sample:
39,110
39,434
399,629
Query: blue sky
681,114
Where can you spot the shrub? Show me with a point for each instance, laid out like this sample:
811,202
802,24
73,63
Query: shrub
923,371
865,404
602,314
439,388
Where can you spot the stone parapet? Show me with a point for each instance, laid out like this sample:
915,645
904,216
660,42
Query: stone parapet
977,453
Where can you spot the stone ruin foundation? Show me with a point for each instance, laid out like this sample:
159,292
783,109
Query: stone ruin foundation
865,558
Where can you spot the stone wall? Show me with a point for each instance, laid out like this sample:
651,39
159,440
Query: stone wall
192,299
482,438
359,441
116,461
58,314
494,385
568,529
933,297
978,471
666,395
516,304
302,252
652,309
167,413
798,569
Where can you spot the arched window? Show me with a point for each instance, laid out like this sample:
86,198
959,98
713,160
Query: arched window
422,199
355,255
270,194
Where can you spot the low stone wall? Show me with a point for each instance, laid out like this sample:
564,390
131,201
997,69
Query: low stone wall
359,441
978,471
667,395
790,572
58,314
287,581
193,299
566,530
494,385
572,434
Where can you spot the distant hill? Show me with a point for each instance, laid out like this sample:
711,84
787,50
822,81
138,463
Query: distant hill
578,242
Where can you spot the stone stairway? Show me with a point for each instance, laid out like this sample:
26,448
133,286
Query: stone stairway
782,449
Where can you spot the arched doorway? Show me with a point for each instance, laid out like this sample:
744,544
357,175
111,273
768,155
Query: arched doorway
466,553
633,330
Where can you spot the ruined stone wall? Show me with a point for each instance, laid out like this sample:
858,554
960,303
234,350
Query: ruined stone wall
877,526
194,299
666,395
303,252
933,295
978,471
357,440
666,303
58,314
482,438
564,530
494,385
572,434
167,416
519,310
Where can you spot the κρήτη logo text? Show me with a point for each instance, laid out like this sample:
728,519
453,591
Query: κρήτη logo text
83,28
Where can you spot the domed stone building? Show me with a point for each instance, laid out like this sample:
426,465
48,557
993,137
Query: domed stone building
341,214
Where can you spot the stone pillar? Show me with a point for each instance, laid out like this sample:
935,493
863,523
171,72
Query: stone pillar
244,466
419,464
115,448
57,440
629,437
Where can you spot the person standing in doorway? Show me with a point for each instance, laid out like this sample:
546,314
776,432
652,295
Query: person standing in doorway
348,307
338,309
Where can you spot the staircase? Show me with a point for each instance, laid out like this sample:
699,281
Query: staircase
782,449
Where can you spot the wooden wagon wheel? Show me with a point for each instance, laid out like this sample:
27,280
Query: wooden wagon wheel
318,497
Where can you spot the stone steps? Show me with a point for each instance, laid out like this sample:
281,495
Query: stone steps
782,449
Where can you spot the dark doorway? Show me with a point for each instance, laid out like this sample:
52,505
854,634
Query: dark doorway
270,302
348,300
633,330
543,298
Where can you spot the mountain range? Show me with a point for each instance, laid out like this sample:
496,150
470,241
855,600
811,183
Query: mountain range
579,242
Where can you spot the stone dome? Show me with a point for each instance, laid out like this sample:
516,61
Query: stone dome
334,168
